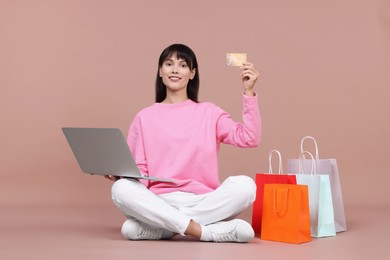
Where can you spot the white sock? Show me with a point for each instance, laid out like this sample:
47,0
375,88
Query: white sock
206,234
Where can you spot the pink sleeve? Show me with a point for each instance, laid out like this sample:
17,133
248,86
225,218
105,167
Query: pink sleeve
136,145
245,134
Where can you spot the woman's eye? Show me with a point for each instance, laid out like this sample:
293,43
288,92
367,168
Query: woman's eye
184,65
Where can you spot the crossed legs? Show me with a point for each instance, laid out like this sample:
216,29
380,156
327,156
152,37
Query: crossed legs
181,212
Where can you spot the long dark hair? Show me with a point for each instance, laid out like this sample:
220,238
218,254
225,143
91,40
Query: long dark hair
181,51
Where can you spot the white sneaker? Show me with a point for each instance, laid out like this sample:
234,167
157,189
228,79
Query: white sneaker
136,230
236,230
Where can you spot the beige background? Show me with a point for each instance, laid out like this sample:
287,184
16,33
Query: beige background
324,72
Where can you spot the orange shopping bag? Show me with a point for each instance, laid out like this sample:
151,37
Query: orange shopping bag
286,216
268,178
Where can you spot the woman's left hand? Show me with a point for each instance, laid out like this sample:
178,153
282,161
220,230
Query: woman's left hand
249,77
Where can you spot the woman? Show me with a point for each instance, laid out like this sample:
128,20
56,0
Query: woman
178,138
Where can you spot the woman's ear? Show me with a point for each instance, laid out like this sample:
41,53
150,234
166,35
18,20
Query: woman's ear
193,72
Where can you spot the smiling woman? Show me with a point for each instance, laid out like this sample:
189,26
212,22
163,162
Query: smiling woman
164,139
177,61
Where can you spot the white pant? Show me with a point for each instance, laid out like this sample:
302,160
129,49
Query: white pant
173,211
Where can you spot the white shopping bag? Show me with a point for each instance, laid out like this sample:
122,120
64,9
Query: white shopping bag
324,167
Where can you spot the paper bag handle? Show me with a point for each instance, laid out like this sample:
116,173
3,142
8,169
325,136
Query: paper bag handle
270,161
313,163
281,212
315,144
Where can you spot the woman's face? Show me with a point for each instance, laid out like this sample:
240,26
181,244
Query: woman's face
175,74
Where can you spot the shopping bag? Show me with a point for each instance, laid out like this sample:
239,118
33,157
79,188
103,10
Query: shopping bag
264,178
320,200
286,216
324,167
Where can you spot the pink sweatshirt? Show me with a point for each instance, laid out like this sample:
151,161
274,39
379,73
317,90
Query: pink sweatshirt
181,141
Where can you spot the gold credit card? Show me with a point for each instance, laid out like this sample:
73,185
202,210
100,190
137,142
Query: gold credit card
235,59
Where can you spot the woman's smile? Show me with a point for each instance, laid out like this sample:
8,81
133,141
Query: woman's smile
174,78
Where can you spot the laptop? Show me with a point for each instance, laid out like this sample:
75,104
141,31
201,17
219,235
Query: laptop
104,151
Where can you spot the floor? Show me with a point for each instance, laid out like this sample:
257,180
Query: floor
92,232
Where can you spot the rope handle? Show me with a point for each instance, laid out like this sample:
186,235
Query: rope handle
315,143
270,161
282,211
313,163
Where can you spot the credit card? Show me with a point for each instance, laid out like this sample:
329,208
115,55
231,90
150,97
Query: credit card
235,59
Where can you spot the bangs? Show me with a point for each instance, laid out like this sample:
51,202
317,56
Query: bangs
182,56
180,52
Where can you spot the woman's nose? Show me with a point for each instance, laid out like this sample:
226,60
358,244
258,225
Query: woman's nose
175,68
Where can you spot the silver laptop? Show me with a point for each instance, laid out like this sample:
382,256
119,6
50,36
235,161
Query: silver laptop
104,151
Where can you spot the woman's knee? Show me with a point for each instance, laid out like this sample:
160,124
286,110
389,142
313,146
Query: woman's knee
124,189
244,187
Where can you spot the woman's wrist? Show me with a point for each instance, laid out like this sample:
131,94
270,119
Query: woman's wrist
249,92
